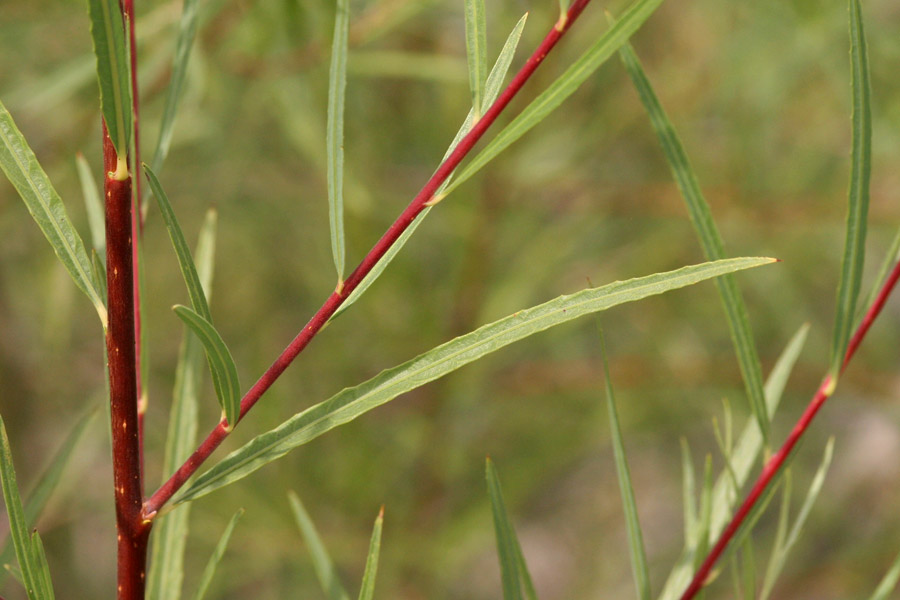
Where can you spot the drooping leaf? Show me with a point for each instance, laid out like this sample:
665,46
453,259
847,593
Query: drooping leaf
858,197
639,569
166,574
337,84
513,570
214,560
32,563
352,402
322,562
563,87
476,52
25,173
708,233
367,589
221,364
108,34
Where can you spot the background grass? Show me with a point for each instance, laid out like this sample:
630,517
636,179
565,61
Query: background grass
760,96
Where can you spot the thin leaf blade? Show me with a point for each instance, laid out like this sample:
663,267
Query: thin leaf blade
108,34
214,560
476,52
337,84
367,589
513,570
322,562
93,203
352,402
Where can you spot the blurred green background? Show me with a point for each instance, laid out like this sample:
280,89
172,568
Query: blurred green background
759,93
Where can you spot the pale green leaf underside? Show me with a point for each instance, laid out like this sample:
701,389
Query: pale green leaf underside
214,560
367,589
710,240
47,209
352,402
108,33
334,138
858,196
513,571
322,562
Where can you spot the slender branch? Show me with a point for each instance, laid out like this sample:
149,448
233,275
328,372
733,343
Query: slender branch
133,531
775,463
315,324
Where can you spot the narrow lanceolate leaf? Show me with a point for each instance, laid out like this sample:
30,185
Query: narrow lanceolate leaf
214,560
513,571
476,52
164,581
108,33
93,202
563,87
29,564
187,31
367,590
353,402
185,260
322,562
492,90
710,240
858,201
888,582
337,84
221,364
639,568
890,259
25,173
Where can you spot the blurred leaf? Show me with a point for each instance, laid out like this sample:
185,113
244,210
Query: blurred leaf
402,64
492,89
367,589
783,545
639,567
352,402
108,34
888,582
166,574
890,259
513,570
185,261
221,364
858,201
46,208
337,84
710,240
563,87
30,558
99,273
325,571
93,202
218,553
748,570
689,493
705,514
476,52
187,31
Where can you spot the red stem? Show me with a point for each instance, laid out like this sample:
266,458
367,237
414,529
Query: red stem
133,530
315,324
775,463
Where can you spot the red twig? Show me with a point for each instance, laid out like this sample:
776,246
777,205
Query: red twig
132,530
775,463
315,324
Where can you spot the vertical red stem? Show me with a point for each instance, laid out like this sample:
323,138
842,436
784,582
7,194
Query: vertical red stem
133,531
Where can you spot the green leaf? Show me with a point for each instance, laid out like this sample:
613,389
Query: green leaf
513,570
216,558
563,87
639,568
352,402
170,535
888,582
492,90
187,31
185,261
710,240
337,84
108,33
476,53
858,197
325,570
890,259
93,202
367,590
221,364
30,563
25,173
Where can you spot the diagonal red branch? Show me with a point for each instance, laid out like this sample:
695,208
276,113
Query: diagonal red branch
775,463
418,204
